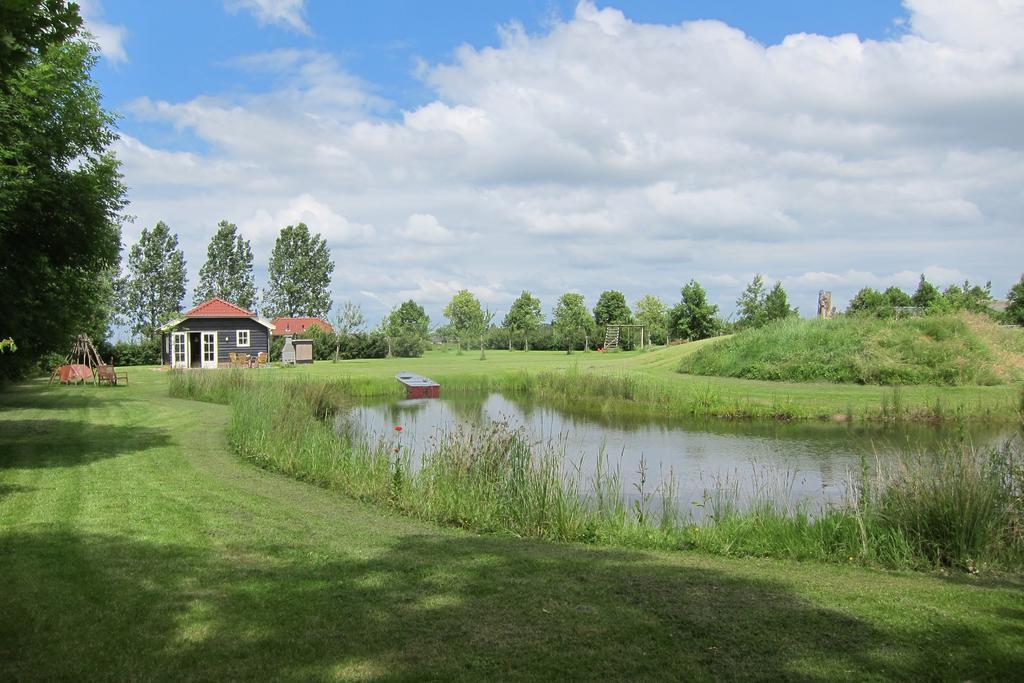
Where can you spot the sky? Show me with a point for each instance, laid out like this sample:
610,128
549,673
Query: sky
551,146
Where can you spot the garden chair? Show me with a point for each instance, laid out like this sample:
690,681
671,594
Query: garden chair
106,374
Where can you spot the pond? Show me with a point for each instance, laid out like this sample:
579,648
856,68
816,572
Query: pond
806,463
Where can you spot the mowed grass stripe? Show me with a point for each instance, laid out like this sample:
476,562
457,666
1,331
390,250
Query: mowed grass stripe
184,562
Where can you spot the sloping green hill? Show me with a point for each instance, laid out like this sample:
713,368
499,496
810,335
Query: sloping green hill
945,350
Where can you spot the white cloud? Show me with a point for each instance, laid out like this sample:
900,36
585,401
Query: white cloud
287,13
423,227
605,153
109,37
263,225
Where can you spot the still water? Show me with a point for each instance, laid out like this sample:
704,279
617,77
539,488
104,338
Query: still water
807,463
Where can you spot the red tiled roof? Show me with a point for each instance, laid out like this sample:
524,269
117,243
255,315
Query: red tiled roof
299,325
218,308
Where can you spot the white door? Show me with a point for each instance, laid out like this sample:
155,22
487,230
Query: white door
209,346
179,350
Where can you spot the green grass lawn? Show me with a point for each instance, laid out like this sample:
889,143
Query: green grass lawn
133,544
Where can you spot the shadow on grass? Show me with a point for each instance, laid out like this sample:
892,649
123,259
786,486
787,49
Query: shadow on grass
432,607
65,443
8,489
42,396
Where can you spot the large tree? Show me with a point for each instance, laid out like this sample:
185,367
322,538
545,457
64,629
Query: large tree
652,313
299,274
524,317
152,289
28,28
61,194
571,322
227,273
693,317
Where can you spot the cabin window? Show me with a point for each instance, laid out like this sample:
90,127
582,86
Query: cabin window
242,338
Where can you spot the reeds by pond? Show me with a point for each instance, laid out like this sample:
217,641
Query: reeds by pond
958,507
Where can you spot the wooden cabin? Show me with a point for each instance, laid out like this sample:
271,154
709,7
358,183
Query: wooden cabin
205,336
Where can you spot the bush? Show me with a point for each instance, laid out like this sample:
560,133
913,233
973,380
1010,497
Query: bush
408,346
125,353
324,343
362,345
50,361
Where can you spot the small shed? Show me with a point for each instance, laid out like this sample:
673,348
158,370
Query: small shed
418,386
303,351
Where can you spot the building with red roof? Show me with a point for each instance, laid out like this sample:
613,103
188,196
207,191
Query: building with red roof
208,335
296,326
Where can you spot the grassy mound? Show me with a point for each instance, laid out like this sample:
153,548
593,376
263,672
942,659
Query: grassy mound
947,350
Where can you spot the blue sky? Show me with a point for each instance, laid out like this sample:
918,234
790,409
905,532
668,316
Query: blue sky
556,146
382,42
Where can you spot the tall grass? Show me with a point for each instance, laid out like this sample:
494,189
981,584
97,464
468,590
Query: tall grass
958,507
932,350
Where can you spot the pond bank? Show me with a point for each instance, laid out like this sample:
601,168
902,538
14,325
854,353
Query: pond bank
490,481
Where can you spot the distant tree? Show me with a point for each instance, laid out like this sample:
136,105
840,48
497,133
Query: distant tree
968,297
694,318
524,317
464,314
776,305
751,304
478,330
926,294
407,329
347,321
868,301
897,298
652,313
871,302
572,324
61,194
1015,303
611,309
227,273
299,275
153,287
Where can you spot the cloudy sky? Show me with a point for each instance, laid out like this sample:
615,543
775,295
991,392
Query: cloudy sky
556,147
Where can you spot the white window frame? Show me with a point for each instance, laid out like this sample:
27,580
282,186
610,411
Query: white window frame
208,347
238,338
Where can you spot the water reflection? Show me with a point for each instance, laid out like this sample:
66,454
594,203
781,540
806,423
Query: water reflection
799,462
